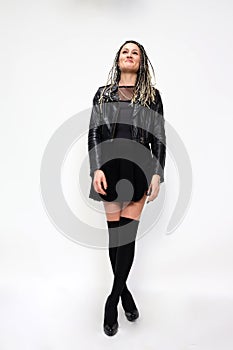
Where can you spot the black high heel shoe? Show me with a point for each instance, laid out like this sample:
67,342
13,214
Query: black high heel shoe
132,315
110,329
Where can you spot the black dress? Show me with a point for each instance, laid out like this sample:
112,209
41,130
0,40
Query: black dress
120,168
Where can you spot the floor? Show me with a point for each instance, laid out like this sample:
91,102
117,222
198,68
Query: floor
39,315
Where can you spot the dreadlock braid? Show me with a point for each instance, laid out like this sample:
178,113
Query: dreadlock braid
144,91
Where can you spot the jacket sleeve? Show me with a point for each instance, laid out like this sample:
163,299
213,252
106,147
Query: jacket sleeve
94,136
158,140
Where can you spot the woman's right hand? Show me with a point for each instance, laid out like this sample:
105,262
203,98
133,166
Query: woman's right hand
99,177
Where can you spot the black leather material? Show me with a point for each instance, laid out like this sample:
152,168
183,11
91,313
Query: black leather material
147,128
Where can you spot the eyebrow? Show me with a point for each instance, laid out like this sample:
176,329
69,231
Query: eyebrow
126,48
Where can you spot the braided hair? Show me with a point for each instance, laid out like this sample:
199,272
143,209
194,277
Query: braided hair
144,91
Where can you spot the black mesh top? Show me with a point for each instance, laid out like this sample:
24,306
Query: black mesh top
125,92
124,121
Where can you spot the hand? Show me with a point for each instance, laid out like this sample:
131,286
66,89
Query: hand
154,188
99,177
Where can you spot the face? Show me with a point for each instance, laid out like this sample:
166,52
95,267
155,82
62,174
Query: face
129,58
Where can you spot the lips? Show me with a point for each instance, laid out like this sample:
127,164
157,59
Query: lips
128,60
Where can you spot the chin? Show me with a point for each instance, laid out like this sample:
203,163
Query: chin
129,70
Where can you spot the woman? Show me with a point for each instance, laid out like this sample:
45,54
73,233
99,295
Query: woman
126,141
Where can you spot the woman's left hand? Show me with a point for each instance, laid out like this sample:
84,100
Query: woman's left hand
154,188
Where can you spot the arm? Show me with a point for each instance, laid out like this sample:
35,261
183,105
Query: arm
94,136
158,141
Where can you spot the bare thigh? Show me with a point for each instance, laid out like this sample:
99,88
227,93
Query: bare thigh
132,210
112,210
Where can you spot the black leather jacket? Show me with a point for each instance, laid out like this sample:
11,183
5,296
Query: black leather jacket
147,128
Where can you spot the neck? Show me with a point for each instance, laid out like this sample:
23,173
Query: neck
128,79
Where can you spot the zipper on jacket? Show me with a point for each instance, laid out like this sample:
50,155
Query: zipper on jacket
114,127
113,132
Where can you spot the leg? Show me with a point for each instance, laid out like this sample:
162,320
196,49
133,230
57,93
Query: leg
133,210
113,211
124,259
122,262
126,297
116,213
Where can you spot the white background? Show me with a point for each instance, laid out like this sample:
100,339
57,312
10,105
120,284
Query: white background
54,55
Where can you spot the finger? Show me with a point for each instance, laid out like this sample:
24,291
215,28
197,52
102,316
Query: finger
148,191
100,189
105,183
154,194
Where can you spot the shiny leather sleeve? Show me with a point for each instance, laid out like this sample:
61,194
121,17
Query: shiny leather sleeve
158,140
94,136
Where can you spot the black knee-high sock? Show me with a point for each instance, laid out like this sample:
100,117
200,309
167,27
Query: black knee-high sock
124,259
125,254
126,297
